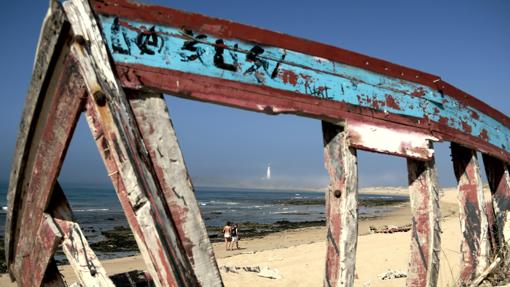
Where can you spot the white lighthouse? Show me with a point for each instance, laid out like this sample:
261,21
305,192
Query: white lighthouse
268,173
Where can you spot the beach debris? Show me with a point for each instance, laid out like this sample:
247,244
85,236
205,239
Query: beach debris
392,274
236,269
265,272
390,229
367,284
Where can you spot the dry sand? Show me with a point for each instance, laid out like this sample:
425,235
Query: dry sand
299,254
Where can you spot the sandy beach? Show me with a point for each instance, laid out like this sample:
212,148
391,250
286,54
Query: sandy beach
299,254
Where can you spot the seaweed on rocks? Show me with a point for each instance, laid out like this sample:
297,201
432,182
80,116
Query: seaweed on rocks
120,239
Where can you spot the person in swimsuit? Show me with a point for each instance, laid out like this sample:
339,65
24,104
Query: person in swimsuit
235,237
227,234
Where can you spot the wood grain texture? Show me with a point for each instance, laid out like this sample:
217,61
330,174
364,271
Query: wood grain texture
341,206
425,237
53,31
54,127
81,257
161,142
499,183
397,141
475,245
155,42
113,116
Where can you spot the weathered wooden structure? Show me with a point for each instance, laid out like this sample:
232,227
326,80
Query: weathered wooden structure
113,59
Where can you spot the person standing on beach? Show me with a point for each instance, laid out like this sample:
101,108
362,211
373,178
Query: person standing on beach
235,237
227,234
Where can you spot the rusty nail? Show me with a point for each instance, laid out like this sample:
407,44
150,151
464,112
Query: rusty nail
100,98
338,193
79,39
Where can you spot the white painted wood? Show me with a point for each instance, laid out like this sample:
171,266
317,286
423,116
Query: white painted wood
82,259
160,139
388,140
165,258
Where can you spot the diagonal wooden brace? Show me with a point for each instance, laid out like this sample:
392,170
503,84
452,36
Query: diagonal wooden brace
82,259
425,242
159,137
341,206
55,125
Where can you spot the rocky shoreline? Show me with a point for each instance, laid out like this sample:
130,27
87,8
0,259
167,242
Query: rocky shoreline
120,242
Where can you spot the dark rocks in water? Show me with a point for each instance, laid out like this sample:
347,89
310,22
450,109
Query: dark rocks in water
3,264
368,202
120,239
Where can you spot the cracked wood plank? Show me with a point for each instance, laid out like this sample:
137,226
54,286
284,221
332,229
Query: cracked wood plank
397,140
81,257
59,114
472,214
425,233
161,142
53,31
45,242
111,114
208,59
499,183
341,206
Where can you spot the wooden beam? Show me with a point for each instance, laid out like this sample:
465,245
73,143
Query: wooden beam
44,243
160,140
187,55
53,32
59,114
111,114
341,206
499,183
81,257
425,243
473,218
397,140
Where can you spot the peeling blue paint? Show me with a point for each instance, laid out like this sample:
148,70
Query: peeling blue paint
175,49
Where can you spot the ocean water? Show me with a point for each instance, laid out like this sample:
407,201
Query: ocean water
98,208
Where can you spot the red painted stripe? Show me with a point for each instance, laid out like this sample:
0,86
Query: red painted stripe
272,101
230,30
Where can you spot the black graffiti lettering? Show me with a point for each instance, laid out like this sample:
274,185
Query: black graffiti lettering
253,57
275,70
190,46
118,38
320,92
219,60
147,39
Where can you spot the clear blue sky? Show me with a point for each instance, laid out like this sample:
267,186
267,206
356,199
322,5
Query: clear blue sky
467,43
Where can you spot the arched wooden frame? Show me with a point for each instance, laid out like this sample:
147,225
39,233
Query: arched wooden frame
113,59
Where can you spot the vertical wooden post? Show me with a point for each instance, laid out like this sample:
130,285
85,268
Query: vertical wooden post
499,182
159,137
341,206
473,218
425,243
